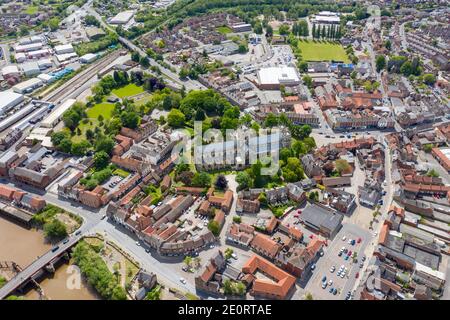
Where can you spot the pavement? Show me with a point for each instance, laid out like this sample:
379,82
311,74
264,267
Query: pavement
331,258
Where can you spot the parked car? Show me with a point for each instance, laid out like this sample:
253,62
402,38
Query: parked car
324,279
332,269
182,280
357,275
331,290
343,238
324,285
313,266
359,240
334,291
78,233
330,282
234,256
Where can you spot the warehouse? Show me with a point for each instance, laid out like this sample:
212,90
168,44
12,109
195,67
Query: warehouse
122,17
64,48
272,77
20,57
28,86
88,58
29,47
45,63
326,221
65,56
55,116
10,71
30,68
8,100
38,53
94,33
46,78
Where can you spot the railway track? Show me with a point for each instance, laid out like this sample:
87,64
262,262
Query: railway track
74,83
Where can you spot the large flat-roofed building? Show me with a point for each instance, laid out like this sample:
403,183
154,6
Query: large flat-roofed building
326,17
30,68
442,155
272,78
29,47
55,116
122,17
241,27
325,221
27,86
9,99
64,48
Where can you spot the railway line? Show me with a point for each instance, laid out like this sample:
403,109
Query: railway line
59,93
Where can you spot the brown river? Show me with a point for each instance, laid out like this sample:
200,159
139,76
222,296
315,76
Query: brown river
22,246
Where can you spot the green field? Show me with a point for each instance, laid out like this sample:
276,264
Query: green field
322,51
105,109
128,91
31,10
224,30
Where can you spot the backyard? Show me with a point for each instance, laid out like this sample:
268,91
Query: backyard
322,51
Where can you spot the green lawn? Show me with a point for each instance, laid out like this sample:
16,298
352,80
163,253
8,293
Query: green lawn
224,30
146,98
128,91
322,51
31,10
121,173
105,109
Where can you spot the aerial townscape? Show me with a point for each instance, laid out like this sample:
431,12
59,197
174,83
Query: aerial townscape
224,150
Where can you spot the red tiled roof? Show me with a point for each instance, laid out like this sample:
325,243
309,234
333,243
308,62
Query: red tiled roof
280,287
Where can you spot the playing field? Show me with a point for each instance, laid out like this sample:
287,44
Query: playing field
322,51
128,91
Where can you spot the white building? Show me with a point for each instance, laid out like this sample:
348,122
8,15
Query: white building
37,53
88,58
45,63
122,17
28,85
30,68
20,57
8,100
46,78
29,47
65,56
10,71
429,277
326,17
272,77
64,48
55,116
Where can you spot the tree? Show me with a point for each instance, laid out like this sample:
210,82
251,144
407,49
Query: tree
269,31
55,229
244,180
214,227
176,118
53,23
65,145
303,66
154,294
433,173
105,144
429,79
80,148
342,165
221,182
380,62
308,296
308,81
135,56
130,119
283,29
201,179
237,219
271,120
144,62
101,159
187,261
59,136
428,147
